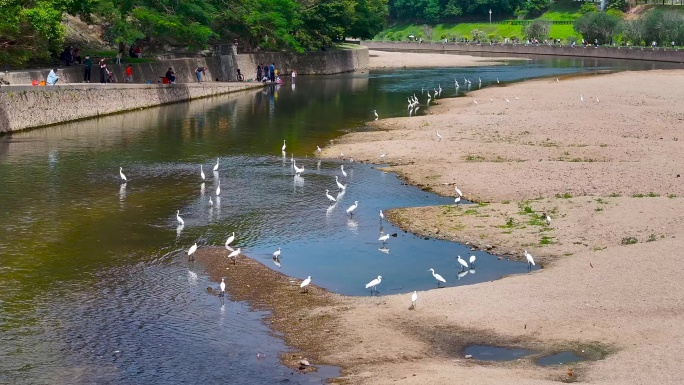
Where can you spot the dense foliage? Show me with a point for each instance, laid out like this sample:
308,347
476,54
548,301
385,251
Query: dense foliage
660,26
436,11
32,29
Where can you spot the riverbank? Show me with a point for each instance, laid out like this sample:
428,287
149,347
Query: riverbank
385,59
605,170
599,155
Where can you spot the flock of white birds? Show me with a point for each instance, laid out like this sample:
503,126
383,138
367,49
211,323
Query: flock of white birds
413,106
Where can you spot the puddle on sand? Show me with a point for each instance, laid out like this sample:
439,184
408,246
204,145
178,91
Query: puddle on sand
566,357
495,353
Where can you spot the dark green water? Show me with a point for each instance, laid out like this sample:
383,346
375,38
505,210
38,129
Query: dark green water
93,286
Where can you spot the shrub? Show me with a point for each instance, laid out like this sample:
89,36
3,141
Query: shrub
538,29
478,35
587,8
597,26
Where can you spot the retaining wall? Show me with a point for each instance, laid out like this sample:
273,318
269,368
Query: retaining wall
635,53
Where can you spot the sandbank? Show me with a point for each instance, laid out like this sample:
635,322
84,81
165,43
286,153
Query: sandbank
606,168
384,59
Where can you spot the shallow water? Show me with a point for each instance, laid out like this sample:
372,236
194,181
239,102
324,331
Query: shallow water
496,353
567,357
90,266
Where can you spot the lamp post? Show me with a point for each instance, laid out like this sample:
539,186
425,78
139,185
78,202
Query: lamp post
490,16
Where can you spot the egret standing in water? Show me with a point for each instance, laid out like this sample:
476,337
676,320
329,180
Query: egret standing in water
464,264
340,185
284,146
414,298
223,287
472,261
344,173
305,284
351,208
384,238
330,197
192,250
276,254
530,260
230,240
179,219
218,188
376,114
372,284
298,170
382,216
234,255
202,172
211,203
217,164
458,191
457,200
121,174
438,277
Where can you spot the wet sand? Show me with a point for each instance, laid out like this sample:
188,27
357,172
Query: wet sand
610,288
384,59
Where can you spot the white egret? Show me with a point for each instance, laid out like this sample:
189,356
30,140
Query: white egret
416,110
464,264
330,197
179,219
414,298
376,114
475,101
216,165
530,260
234,255
223,286
276,254
384,238
318,149
508,101
438,277
211,203
439,136
230,240
548,219
298,170
202,172
191,251
382,216
472,261
305,284
497,80
218,188
340,185
121,174
516,98
353,207
581,98
382,156
284,146
344,173
372,284
458,191
557,81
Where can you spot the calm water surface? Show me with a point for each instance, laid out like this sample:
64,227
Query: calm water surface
93,287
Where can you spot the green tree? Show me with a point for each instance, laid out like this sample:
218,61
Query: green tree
535,8
588,7
597,26
538,28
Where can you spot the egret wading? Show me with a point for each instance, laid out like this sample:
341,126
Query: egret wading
202,172
372,284
340,185
179,219
472,261
217,165
464,264
438,277
230,240
344,173
458,191
382,216
284,146
191,252
530,260
351,208
223,287
218,188
121,174
376,114
384,238
305,284
330,197
276,254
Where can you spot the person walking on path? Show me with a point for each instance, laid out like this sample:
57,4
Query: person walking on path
129,74
103,71
199,71
87,68
52,77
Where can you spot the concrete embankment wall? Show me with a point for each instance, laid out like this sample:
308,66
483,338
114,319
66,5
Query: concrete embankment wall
635,53
222,67
24,106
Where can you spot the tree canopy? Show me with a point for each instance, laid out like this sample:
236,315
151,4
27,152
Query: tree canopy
436,11
31,29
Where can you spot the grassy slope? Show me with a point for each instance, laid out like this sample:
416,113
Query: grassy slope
560,11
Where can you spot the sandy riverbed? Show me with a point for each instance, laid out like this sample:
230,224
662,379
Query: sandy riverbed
383,59
607,172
